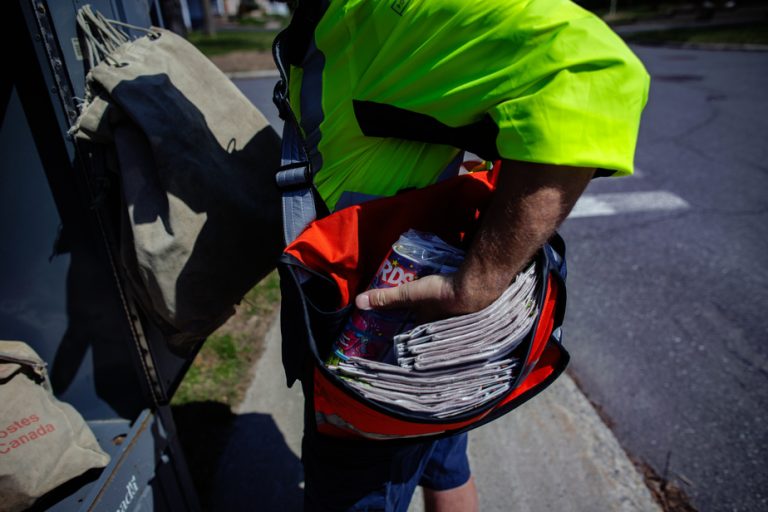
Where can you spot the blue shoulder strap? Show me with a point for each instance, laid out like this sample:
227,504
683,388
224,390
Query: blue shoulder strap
294,177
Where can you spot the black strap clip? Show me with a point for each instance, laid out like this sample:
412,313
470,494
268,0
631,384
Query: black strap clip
280,99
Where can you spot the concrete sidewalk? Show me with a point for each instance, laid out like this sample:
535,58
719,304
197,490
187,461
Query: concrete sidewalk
553,453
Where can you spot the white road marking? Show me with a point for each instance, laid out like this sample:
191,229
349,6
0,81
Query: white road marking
600,205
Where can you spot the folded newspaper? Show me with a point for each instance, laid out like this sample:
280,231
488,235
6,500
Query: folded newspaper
452,366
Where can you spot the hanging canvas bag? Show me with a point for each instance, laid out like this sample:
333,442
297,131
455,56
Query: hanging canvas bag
43,442
194,162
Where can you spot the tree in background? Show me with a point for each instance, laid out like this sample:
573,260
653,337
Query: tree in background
208,25
172,17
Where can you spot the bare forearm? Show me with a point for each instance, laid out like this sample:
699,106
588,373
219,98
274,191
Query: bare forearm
530,202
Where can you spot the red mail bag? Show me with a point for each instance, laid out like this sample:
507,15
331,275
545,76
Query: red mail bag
334,259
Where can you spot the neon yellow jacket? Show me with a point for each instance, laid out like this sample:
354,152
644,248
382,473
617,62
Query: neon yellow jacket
388,90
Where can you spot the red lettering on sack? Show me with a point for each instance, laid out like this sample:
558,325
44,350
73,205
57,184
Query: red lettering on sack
30,436
18,425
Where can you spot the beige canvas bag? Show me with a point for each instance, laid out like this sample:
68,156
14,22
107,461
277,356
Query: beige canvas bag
43,442
195,163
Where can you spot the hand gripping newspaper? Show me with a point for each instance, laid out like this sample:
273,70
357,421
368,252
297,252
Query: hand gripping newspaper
442,368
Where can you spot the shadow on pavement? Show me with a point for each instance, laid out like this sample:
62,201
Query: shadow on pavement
258,471
203,429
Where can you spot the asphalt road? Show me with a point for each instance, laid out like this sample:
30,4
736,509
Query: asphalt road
667,286
667,308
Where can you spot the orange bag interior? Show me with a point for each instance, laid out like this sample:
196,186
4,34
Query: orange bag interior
349,245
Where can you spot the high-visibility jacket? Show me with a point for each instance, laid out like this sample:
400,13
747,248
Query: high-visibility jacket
388,91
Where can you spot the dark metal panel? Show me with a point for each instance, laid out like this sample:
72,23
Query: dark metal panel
170,367
64,305
32,287
84,169
60,290
62,16
145,475
89,345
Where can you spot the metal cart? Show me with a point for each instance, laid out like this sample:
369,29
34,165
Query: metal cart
60,289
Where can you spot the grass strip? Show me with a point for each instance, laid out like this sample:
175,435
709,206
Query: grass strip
220,371
230,41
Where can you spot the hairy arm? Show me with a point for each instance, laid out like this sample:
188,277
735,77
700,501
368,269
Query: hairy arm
530,202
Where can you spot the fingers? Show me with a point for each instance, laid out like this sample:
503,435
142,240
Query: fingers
388,298
428,290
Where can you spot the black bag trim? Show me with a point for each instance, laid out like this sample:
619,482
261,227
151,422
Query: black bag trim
294,367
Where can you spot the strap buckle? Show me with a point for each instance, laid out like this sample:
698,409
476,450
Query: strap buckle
280,99
294,176
280,94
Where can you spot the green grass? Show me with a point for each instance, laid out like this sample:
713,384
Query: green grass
214,375
754,33
227,41
263,297
221,370
260,22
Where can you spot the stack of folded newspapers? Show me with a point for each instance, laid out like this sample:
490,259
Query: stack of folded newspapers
452,366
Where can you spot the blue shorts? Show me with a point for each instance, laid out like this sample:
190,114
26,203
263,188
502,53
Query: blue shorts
342,474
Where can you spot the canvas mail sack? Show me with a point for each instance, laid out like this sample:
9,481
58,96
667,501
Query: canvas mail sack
43,442
194,163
